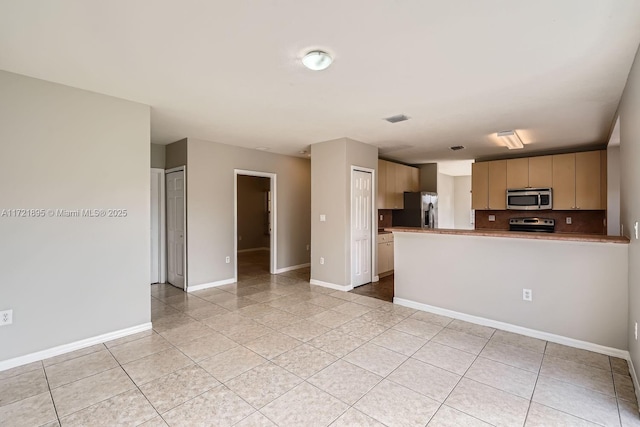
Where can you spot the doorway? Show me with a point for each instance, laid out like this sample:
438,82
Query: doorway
255,224
158,250
176,228
362,220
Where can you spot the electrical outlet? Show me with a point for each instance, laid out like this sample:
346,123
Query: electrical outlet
239,237
6,317
323,218
527,295
321,260
308,247
381,217
568,220
227,259
492,218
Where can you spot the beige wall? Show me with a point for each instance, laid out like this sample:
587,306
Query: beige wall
158,154
462,202
446,198
331,164
210,205
629,112
613,190
579,288
253,212
176,154
71,278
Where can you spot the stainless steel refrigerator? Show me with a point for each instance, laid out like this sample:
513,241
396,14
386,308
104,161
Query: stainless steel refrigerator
420,210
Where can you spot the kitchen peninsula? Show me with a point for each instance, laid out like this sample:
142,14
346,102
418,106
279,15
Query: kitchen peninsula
578,283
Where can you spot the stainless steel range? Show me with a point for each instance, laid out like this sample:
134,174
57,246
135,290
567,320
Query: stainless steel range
546,225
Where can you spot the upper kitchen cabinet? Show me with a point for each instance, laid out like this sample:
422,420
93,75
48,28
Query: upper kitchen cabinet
393,180
518,173
498,184
382,184
577,181
480,185
414,179
541,172
489,185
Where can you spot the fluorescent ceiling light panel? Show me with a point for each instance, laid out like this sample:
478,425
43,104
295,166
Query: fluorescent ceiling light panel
511,139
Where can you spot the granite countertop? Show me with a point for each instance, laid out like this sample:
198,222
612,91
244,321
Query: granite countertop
516,234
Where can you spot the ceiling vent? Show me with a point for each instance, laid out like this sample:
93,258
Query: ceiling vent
457,147
396,119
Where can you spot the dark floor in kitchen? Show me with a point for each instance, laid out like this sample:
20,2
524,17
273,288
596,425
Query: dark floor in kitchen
382,289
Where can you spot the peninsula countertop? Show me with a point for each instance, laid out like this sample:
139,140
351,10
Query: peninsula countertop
572,237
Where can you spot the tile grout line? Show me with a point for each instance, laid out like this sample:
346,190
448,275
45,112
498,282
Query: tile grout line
53,402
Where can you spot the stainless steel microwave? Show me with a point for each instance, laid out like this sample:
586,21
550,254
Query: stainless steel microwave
529,199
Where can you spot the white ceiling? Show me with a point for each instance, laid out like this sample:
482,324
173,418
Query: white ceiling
229,71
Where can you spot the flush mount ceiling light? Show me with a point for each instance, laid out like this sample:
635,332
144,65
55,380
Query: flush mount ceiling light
511,139
317,60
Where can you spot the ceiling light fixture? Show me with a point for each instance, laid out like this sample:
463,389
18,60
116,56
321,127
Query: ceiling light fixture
263,148
317,60
511,139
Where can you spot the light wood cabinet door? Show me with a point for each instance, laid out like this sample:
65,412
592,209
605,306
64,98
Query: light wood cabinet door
385,257
480,185
498,184
382,184
391,186
403,177
603,179
588,180
518,173
414,183
541,172
399,179
564,181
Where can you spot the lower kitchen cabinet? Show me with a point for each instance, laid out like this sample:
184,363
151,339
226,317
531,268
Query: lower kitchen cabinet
385,254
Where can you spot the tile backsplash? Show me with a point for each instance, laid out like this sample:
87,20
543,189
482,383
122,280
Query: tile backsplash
584,222
385,218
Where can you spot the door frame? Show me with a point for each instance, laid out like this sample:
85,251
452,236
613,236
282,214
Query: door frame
374,229
162,226
273,218
186,234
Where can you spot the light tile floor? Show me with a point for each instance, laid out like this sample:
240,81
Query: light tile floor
275,350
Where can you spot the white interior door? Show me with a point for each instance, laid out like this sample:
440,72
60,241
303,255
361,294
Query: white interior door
175,228
361,194
155,228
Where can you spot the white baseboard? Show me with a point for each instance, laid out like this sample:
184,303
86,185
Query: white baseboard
559,339
345,288
634,377
210,285
66,348
376,279
293,267
240,251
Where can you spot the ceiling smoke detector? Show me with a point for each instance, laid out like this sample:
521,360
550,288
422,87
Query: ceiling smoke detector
457,147
396,119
